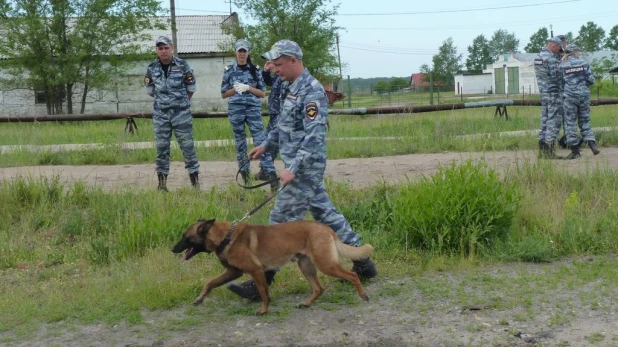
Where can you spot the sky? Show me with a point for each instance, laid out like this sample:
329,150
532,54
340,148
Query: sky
385,38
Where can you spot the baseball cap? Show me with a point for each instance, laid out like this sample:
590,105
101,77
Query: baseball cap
242,44
164,40
284,47
571,47
555,39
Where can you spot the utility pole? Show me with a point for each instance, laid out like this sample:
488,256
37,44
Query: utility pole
173,15
339,58
551,31
229,2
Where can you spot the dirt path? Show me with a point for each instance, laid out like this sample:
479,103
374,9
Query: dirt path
400,313
358,172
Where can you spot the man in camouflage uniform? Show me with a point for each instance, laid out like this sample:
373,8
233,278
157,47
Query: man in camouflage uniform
301,137
274,103
170,81
549,83
577,78
243,84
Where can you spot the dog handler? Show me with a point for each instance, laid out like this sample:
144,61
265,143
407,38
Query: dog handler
300,135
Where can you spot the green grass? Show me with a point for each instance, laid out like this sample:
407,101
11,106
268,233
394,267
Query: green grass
405,134
77,254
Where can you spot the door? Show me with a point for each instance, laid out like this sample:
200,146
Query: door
499,78
513,80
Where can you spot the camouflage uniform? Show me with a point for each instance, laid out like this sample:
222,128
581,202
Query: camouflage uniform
274,104
246,108
300,136
549,83
171,111
577,77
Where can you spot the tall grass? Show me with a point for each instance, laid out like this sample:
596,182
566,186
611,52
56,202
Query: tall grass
72,252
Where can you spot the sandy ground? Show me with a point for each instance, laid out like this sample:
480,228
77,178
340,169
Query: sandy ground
387,320
358,172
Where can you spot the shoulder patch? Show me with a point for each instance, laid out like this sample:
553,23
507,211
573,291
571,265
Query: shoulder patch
311,110
147,80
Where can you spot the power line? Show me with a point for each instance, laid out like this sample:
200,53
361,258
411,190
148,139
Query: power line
543,21
456,11
206,11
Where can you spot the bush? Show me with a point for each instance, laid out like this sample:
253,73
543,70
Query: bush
456,211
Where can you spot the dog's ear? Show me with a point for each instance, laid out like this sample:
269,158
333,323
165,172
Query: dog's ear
204,226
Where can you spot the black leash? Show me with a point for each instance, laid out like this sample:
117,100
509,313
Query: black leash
257,185
228,236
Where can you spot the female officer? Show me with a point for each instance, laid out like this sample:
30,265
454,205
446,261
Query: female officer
244,86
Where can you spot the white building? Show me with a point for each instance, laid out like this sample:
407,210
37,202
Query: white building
513,74
201,42
473,83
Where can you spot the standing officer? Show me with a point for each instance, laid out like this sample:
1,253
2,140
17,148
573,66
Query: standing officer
171,82
577,78
301,137
242,83
274,104
549,84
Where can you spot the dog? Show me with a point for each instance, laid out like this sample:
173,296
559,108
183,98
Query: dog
253,249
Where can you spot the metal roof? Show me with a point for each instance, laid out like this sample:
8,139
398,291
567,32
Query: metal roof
198,34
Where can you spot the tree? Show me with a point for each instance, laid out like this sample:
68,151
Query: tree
538,41
478,54
381,87
502,42
590,37
310,23
55,46
398,84
611,42
447,62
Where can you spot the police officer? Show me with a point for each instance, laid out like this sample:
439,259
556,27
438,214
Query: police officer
549,84
244,86
170,81
301,137
274,103
577,78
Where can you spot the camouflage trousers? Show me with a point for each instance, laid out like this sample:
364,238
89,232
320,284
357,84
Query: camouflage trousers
272,123
577,113
181,122
239,115
551,117
308,193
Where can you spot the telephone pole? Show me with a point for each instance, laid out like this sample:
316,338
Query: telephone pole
551,31
339,58
173,15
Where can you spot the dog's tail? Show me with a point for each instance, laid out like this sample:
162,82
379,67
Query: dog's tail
353,253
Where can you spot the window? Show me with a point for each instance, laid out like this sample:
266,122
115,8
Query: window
40,97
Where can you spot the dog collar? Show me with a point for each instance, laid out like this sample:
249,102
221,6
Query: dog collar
227,239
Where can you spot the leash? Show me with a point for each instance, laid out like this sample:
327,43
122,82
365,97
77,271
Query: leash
257,185
228,236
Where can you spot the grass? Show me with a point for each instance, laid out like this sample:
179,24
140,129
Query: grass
77,254
376,135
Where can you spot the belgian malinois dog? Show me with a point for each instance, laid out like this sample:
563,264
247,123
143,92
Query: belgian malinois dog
253,249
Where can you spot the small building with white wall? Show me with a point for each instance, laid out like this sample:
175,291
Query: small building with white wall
202,42
473,83
514,73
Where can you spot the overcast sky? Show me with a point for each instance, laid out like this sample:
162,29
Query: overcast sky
383,38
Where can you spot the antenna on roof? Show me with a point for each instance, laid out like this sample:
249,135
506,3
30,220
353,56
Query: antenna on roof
229,2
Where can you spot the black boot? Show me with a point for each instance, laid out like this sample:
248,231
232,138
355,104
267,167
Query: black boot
246,177
574,153
261,176
549,152
162,182
563,142
195,182
248,289
365,268
274,181
542,148
593,147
